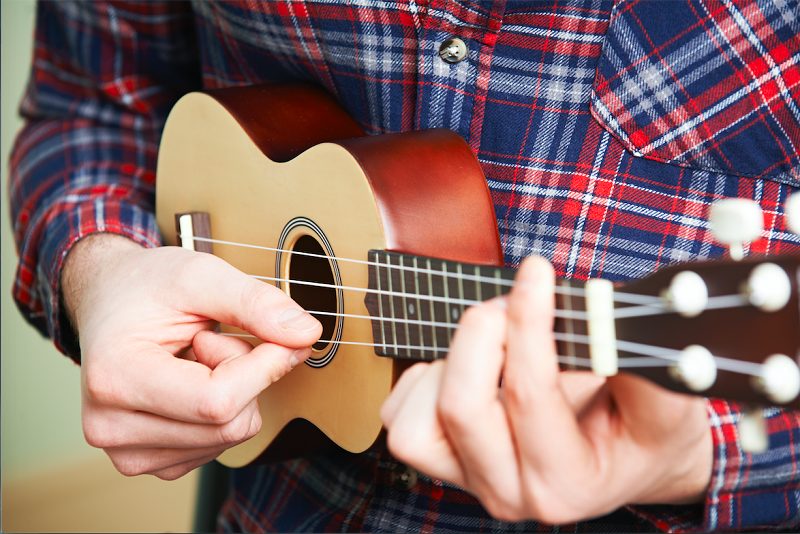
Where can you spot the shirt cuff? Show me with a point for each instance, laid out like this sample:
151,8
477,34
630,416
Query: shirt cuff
746,491
63,230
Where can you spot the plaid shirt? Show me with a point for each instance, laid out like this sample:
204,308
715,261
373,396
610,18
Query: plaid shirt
604,132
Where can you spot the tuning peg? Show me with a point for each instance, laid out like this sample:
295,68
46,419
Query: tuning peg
753,431
687,294
736,222
695,368
793,213
779,379
768,287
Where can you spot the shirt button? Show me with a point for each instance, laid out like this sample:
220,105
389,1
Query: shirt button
453,50
404,477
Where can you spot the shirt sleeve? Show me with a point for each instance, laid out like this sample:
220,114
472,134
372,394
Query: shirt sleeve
747,491
103,78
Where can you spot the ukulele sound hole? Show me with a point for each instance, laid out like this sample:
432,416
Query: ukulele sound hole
313,297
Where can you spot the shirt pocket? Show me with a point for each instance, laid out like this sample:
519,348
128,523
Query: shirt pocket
705,84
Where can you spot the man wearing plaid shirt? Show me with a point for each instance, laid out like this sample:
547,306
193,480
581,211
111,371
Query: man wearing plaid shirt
604,131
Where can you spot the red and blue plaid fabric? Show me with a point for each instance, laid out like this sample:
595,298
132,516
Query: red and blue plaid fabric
605,132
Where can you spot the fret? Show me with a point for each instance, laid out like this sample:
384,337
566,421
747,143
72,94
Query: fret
498,286
402,273
382,324
389,307
476,271
420,311
434,330
564,301
398,304
468,286
451,292
441,307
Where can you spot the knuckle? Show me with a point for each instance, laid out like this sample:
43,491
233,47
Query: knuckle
402,446
482,317
472,317
518,394
171,474
518,309
217,406
453,411
235,431
255,301
100,387
129,466
97,433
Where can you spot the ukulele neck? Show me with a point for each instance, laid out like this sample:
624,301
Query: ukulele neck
416,303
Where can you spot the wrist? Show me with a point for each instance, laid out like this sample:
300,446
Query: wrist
84,265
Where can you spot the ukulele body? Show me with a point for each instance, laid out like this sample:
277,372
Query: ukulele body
285,167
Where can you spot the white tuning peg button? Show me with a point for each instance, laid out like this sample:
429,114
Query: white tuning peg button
753,432
695,368
736,222
687,294
793,213
779,379
768,287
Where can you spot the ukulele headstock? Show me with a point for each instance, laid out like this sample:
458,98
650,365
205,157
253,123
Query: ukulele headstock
725,328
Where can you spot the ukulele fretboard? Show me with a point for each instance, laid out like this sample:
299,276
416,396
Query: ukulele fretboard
416,302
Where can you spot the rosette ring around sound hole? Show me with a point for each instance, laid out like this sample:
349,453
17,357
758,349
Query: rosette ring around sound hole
311,261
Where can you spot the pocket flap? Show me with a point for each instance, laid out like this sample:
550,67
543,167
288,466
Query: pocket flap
705,84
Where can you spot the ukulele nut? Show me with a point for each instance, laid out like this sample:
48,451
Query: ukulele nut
768,288
779,379
687,294
695,368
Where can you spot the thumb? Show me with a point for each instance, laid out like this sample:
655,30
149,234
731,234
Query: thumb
649,409
211,287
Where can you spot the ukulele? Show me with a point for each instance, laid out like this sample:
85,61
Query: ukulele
387,239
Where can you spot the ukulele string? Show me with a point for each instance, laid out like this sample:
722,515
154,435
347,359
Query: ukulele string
651,355
628,298
722,301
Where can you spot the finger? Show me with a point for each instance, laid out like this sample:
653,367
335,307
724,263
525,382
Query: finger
581,388
471,413
400,392
415,435
649,411
114,428
176,471
143,379
211,348
134,462
211,287
532,391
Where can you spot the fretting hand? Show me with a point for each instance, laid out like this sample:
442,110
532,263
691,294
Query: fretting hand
162,393
546,445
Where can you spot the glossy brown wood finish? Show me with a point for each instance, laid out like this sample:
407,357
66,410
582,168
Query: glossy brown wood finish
741,332
432,194
285,120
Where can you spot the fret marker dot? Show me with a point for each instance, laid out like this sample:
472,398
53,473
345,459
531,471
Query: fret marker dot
411,308
454,313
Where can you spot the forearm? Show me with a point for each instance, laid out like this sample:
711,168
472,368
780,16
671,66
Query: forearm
85,162
84,264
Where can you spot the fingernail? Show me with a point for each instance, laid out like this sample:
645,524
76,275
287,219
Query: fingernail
298,356
297,319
